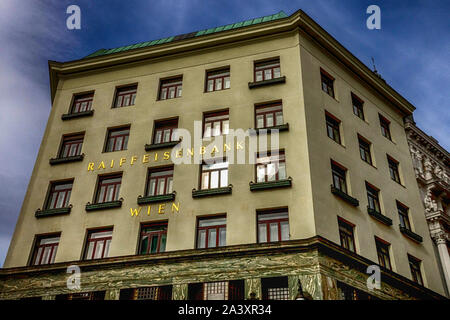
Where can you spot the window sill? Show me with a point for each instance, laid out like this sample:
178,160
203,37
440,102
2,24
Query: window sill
149,147
349,199
156,199
168,98
211,192
280,128
52,212
411,235
68,116
285,183
380,217
54,161
104,205
257,84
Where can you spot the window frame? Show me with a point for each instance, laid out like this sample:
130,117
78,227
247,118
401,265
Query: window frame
333,124
217,227
335,168
415,267
36,246
383,251
260,107
77,97
266,212
358,105
403,215
281,157
159,233
51,191
271,64
385,126
394,170
125,88
213,114
213,161
167,83
346,231
163,125
165,177
106,246
116,193
365,149
214,75
373,193
328,80
125,138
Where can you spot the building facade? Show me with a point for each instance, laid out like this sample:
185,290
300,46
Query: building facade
117,195
432,168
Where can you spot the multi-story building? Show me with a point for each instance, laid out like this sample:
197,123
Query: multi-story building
317,207
432,168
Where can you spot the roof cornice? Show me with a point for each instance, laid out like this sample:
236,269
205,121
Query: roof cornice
298,20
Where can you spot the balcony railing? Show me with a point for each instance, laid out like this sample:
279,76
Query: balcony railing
378,216
349,199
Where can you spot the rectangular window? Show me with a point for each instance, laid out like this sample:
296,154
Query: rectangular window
385,124
358,106
216,124
218,80
333,125
414,265
273,226
97,244
214,175
82,103
339,176
327,82
269,115
165,131
219,290
59,195
364,150
383,253
108,188
393,169
275,288
95,295
125,96
170,88
71,145
45,249
267,70
271,166
211,232
153,238
160,181
403,216
373,197
117,139
346,234
147,293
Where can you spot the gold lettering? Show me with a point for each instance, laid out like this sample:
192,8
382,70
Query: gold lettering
226,147
122,161
175,207
133,159
112,163
190,152
179,153
148,210
135,212
202,150
166,155
101,165
161,208
156,157
214,150
90,166
145,158
239,146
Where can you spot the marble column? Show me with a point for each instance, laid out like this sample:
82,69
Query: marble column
180,291
441,243
253,285
112,294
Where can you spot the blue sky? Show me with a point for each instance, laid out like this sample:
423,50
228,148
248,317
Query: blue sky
412,52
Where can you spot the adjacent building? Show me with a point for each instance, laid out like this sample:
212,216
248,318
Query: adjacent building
116,209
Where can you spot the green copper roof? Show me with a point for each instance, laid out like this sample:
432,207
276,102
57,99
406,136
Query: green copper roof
232,26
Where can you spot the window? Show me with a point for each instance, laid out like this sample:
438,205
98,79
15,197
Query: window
373,197
214,175
211,232
383,253
273,226
333,124
346,234
165,131
117,139
108,188
45,249
275,288
218,80
147,293
219,290
403,216
125,96
358,106
59,195
267,70
414,265
95,295
170,88
160,181
393,169
153,238
339,176
71,145
364,150
215,124
327,82
385,123
269,115
97,244
82,103
271,166
350,293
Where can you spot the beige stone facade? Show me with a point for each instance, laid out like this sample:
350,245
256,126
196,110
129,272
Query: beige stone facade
312,254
